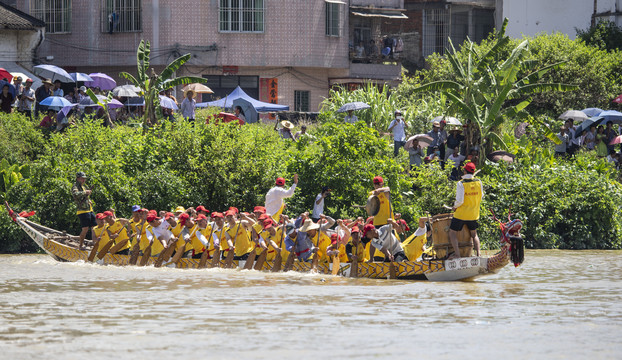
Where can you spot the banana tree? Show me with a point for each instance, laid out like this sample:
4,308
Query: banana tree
151,84
11,175
487,90
103,102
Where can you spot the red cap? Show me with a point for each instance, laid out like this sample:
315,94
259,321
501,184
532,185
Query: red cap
404,224
267,224
144,210
108,214
260,209
280,181
469,167
152,212
378,180
29,80
183,218
202,208
201,217
367,228
229,213
168,215
152,218
355,229
216,214
234,209
369,219
334,238
100,216
263,217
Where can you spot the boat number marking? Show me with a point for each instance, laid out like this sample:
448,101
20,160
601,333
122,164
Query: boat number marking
459,264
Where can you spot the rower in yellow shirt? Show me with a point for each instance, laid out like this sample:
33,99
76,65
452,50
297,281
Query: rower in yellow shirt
218,236
383,194
336,248
100,232
272,237
243,243
414,245
355,248
117,231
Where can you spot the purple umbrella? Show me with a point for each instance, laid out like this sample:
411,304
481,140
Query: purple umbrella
101,81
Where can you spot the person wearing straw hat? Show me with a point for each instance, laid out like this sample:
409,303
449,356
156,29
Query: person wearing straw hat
469,195
84,206
319,244
189,105
286,130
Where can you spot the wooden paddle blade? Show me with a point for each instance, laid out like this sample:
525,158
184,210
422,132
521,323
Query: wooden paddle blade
354,269
314,262
146,255
93,251
336,265
134,254
118,246
261,259
104,250
392,271
180,252
216,257
289,263
278,261
250,261
203,261
165,255
229,259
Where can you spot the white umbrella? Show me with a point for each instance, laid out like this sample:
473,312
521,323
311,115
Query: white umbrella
53,73
126,91
575,115
167,103
423,139
78,76
449,120
357,105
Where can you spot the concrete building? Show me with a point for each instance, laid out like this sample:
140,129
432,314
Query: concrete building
287,51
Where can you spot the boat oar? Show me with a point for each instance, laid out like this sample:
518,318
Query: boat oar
290,258
216,257
146,254
278,259
354,268
261,259
205,255
316,255
392,272
108,246
231,253
117,247
93,252
165,254
336,263
136,248
250,260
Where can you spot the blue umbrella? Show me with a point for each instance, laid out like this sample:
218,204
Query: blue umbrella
591,112
611,116
78,76
11,87
586,124
55,102
250,114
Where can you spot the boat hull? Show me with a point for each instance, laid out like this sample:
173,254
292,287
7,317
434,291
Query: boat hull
434,270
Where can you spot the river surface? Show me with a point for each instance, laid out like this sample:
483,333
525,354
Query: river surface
557,305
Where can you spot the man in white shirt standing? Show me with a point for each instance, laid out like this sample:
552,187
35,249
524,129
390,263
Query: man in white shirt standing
398,126
188,106
318,204
275,196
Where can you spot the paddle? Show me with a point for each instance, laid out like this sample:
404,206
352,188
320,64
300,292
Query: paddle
316,255
261,259
109,245
136,248
336,263
231,253
216,257
290,259
165,254
118,246
146,254
392,272
278,259
182,249
203,261
250,260
94,249
354,268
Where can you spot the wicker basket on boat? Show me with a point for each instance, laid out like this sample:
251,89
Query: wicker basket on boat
440,237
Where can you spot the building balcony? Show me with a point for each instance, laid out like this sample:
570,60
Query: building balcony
379,69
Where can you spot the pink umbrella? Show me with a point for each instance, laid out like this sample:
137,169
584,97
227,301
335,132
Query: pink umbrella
101,81
616,140
618,99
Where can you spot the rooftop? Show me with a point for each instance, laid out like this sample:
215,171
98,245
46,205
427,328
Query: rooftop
13,19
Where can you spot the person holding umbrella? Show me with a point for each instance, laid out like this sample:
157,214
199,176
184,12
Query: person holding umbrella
44,91
351,118
6,99
415,152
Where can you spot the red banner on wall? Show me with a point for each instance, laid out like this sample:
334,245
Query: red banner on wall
269,91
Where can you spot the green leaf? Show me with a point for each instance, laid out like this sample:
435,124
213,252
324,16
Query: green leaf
171,68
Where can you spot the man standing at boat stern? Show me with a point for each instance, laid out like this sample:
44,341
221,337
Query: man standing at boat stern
275,196
469,195
84,206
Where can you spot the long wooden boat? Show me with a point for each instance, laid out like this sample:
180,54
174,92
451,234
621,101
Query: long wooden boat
63,247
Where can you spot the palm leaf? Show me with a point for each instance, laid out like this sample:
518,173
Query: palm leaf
540,88
496,139
182,80
538,74
131,78
547,131
441,85
171,68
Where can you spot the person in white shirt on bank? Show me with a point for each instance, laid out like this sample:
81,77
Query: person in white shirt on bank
275,196
318,204
398,126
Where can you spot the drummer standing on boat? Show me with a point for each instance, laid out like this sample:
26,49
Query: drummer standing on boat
84,206
275,196
383,194
469,195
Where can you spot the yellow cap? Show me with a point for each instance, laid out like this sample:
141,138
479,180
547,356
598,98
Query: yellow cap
180,209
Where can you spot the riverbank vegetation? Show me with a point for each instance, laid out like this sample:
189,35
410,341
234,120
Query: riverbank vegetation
564,204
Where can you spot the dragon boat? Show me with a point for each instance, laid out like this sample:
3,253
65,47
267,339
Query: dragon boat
63,247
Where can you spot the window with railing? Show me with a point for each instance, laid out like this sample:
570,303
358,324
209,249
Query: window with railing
241,16
55,13
332,18
301,100
121,16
